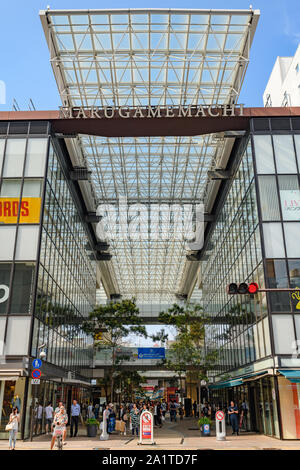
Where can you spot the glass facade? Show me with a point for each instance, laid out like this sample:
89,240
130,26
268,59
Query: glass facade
255,239
239,327
47,276
66,277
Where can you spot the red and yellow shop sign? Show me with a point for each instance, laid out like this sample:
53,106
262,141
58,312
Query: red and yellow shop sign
29,211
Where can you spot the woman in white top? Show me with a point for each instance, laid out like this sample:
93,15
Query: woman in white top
14,419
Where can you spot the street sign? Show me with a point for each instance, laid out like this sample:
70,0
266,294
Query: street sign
146,428
35,381
36,374
36,363
220,426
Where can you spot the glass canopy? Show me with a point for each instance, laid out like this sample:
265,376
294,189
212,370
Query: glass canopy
141,58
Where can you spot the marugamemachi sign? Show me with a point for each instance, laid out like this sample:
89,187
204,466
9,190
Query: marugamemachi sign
110,112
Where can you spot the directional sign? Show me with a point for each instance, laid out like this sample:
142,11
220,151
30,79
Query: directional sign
36,373
220,415
36,363
35,381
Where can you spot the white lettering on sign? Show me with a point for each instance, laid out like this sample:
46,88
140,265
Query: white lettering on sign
6,293
190,111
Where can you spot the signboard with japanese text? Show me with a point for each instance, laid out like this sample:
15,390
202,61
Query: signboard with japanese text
151,353
290,204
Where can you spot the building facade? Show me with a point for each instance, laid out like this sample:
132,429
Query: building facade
48,275
255,240
283,87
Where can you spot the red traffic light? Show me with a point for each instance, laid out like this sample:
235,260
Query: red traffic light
242,288
253,288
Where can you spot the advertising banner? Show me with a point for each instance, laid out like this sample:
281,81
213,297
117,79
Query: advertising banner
29,210
151,353
290,204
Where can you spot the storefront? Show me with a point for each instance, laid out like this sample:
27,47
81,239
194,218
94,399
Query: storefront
256,400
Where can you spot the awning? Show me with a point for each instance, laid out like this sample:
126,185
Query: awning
240,380
291,374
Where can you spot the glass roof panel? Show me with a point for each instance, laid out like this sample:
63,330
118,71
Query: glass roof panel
149,57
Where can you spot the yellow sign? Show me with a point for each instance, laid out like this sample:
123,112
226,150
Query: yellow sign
296,295
29,211
98,336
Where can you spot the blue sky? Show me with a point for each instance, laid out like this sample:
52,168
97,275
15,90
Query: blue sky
26,71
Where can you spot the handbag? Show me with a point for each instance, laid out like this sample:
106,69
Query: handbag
9,427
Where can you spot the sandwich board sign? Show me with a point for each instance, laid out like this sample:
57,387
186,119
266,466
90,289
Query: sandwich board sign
146,428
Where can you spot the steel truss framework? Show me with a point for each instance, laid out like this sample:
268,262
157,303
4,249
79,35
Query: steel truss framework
140,58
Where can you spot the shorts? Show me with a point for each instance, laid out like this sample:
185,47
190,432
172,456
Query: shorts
61,429
48,421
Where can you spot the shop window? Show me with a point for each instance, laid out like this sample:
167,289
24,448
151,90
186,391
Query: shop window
292,235
284,154
268,198
27,242
36,157
264,154
7,242
14,158
22,288
284,336
273,240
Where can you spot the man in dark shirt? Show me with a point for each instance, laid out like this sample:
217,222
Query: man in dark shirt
233,412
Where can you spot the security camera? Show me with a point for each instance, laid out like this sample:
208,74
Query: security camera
42,355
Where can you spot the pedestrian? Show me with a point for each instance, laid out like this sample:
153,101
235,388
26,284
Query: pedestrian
135,419
180,410
233,412
13,422
195,409
173,411
96,410
75,412
90,413
59,423
112,419
48,416
38,418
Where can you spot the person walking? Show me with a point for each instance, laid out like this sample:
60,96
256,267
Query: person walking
75,412
90,413
135,419
233,412
173,411
14,420
48,417
96,410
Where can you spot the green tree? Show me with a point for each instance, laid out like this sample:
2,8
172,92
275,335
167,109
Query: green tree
116,321
188,352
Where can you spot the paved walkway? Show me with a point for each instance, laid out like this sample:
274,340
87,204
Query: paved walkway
182,435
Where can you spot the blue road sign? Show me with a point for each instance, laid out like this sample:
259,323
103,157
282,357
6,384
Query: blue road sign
36,363
151,353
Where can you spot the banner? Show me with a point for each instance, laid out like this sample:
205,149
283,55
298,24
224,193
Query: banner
29,211
290,204
151,353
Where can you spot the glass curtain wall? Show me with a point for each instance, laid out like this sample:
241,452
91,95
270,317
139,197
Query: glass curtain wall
277,159
66,279
239,329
